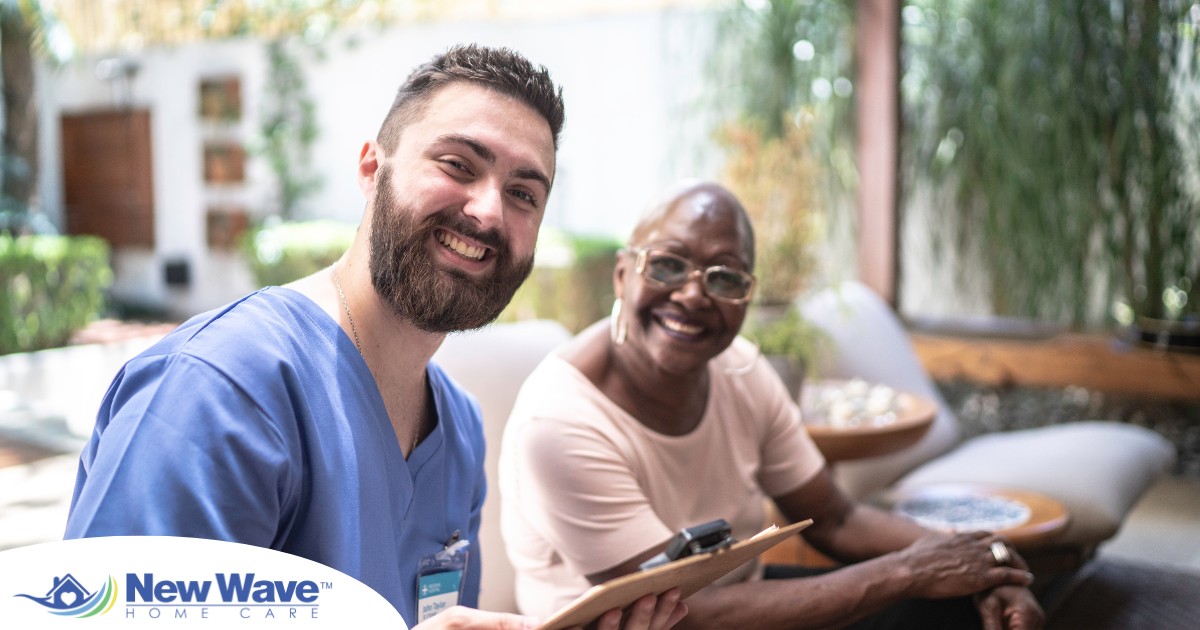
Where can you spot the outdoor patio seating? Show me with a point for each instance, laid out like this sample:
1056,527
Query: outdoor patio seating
1097,469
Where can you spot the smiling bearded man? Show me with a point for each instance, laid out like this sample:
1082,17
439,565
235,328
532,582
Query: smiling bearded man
407,279
309,418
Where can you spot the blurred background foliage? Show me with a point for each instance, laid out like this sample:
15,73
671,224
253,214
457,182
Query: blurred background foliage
281,251
782,101
52,286
1062,140
571,280
1056,143
782,98
775,179
288,125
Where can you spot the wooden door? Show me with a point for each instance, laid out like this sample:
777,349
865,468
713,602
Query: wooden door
108,176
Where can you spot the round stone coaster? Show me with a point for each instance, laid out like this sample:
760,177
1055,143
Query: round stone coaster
966,512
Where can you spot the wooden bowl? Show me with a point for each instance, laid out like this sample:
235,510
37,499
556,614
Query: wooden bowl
914,416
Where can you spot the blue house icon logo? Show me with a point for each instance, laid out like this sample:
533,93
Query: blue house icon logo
68,598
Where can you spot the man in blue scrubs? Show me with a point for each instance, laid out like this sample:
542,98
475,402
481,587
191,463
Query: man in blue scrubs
308,418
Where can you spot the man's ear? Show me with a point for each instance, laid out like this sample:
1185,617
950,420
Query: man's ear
368,166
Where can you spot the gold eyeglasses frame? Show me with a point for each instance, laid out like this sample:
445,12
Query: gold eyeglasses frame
643,255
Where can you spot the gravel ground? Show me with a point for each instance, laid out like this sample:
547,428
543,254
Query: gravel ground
983,409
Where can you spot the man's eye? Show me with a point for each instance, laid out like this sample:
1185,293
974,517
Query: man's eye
524,196
456,165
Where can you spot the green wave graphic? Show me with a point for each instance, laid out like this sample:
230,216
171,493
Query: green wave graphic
106,601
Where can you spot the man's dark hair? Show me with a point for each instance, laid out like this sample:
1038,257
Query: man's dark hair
499,69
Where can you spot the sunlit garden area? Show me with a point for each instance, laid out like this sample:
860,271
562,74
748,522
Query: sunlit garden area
1044,157
1047,151
1018,180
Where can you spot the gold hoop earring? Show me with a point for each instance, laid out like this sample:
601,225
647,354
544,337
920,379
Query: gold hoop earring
616,324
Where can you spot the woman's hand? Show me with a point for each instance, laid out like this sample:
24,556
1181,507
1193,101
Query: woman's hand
647,613
960,565
1010,608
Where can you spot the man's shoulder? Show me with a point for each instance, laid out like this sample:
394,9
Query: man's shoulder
268,332
267,318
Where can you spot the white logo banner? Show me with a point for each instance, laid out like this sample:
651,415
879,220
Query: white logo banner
161,581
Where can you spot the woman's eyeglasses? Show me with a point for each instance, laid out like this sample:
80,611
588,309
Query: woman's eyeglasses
670,271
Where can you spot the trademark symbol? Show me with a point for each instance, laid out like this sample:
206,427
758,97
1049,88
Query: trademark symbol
325,586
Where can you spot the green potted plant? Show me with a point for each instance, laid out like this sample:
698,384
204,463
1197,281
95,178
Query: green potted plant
789,342
571,280
774,178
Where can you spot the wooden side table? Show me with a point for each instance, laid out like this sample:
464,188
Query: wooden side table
913,417
1044,520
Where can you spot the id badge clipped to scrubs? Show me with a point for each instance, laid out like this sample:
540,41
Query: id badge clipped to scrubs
440,578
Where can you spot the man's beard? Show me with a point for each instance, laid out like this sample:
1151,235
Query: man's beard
405,276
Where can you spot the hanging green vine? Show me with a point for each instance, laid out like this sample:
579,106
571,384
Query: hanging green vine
1068,133
288,125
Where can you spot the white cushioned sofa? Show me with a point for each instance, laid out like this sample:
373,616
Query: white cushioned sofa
492,363
1096,469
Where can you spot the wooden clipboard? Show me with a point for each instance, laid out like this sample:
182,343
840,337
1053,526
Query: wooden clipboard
689,574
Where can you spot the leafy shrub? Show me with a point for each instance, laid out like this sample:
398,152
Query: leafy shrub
281,252
1056,143
784,332
776,178
572,282
52,287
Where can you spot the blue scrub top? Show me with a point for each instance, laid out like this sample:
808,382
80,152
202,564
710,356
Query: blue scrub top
260,423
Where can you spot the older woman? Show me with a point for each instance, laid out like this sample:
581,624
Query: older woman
662,418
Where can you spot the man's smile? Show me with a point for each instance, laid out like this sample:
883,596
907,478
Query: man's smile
460,246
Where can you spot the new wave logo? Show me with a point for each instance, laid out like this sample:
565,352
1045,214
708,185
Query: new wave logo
195,582
68,598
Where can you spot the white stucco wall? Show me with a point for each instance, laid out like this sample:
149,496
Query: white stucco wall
631,82
167,85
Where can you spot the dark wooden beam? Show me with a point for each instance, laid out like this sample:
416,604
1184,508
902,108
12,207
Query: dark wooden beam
878,117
